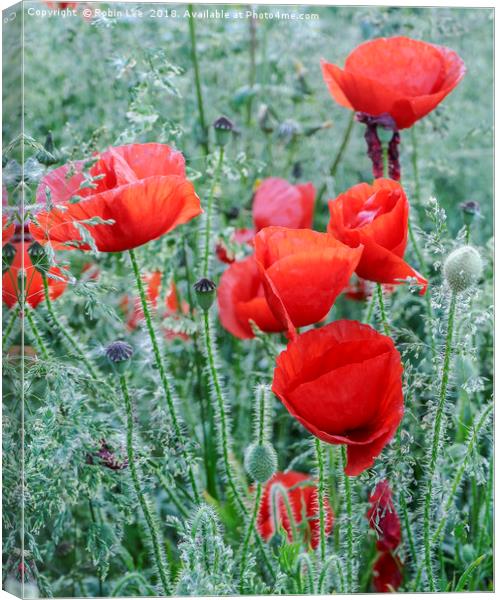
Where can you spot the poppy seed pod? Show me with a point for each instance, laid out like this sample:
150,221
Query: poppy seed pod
261,462
118,353
205,293
463,268
223,128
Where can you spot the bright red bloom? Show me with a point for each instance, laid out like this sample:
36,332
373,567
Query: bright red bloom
377,217
277,202
303,272
383,518
33,286
303,500
241,298
240,237
343,383
398,76
141,187
387,573
153,283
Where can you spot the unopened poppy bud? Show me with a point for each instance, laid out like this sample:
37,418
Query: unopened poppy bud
205,293
223,129
39,257
47,156
463,268
118,353
263,119
261,462
8,254
470,211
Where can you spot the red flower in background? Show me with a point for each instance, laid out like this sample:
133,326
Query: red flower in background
241,298
398,76
387,573
153,283
383,518
240,237
303,500
377,217
343,383
277,202
33,282
303,272
141,187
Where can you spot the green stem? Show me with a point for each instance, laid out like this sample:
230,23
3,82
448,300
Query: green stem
208,218
251,74
436,440
12,319
163,375
223,431
350,538
197,81
414,162
383,314
339,155
407,526
69,339
143,501
250,529
36,333
320,458
369,310
99,573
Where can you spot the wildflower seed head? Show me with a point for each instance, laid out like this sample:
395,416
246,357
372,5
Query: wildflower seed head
223,128
470,211
8,254
463,268
261,462
118,353
205,293
39,257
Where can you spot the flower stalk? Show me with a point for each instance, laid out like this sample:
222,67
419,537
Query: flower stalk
207,235
320,461
349,532
197,82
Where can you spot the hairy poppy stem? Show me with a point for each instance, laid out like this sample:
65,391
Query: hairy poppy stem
143,500
350,537
69,339
224,434
8,330
163,375
250,529
208,218
383,314
320,459
36,333
197,81
436,442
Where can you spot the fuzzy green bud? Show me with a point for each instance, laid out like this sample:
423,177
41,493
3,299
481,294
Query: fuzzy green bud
46,155
39,257
205,293
8,255
223,128
261,462
463,268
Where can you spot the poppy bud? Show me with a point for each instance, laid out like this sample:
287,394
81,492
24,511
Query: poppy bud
118,353
8,254
463,268
261,462
205,293
470,210
39,257
288,131
223,129
263,119
46,156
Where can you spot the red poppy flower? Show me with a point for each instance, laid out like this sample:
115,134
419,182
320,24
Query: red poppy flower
377,217
303,272
277,202
383,518
33,286
398,76
142,188
387,573
343,383
303,501
239,237
241,299
173,307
